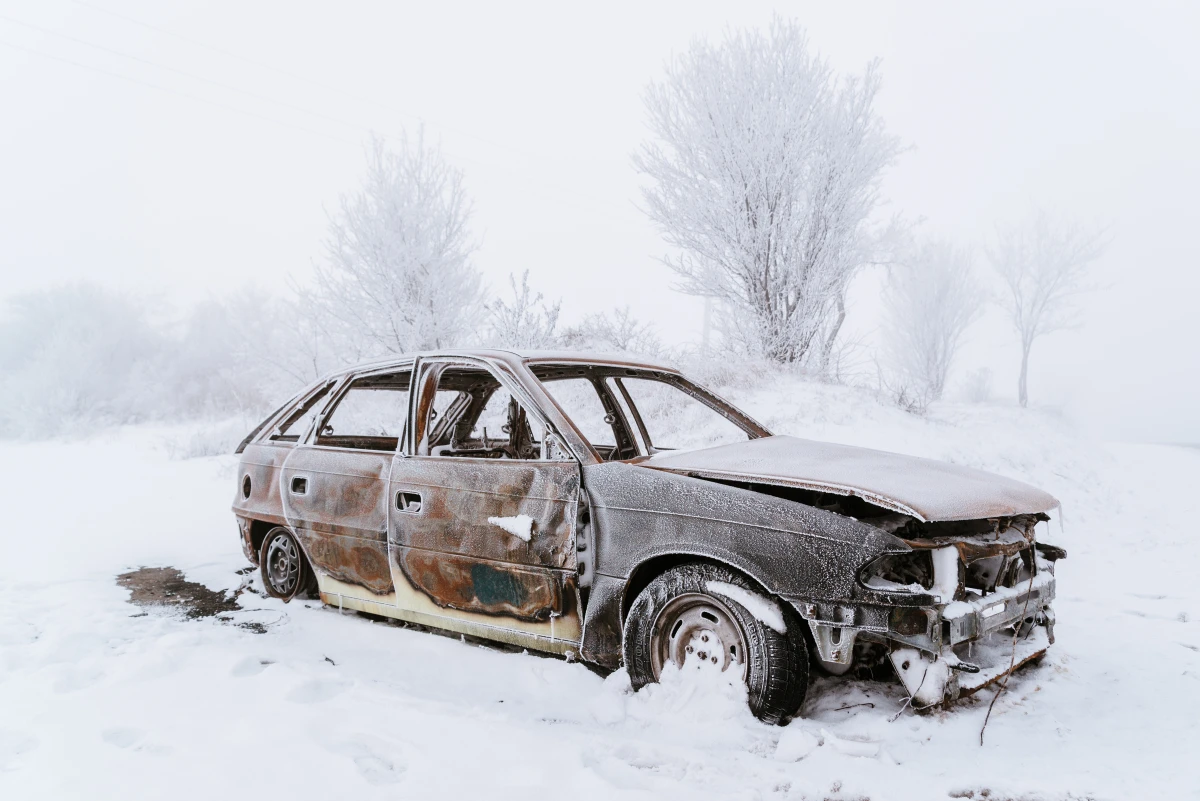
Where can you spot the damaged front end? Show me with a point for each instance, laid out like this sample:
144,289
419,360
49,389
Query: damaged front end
960,606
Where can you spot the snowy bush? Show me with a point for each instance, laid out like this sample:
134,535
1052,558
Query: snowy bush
209,438
79,357
977,386
525,322
616,331
75,357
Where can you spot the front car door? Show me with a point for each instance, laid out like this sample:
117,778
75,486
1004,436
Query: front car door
483,511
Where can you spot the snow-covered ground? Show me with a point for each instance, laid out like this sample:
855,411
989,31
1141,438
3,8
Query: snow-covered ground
99,699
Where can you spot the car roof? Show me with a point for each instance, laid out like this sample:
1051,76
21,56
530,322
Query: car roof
527,356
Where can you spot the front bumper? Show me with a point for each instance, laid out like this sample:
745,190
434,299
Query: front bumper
981,641
942,652
969,620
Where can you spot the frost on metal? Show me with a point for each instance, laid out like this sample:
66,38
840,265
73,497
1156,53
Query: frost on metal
945,572
520,526
764,610
394,477
924,488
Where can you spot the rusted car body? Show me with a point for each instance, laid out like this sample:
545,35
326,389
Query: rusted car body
543,531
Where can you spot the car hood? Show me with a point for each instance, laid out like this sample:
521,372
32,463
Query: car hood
927,489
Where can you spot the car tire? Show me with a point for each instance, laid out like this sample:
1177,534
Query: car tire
284,568
677,615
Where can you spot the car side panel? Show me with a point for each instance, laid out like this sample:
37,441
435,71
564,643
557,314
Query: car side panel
261,463
453,554
341,520
640,514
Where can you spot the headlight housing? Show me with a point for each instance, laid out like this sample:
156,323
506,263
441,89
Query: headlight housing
904,571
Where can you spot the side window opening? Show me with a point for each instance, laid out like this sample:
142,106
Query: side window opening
295,425
618,394
676,420
579,399
595,409
483,420
370,414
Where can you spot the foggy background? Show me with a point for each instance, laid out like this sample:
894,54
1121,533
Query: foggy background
189,153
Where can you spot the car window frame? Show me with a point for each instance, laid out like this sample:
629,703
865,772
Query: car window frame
336,394
702,395
624,436
317,397
603,371
428,371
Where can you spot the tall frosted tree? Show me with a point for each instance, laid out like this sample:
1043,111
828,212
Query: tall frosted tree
1044,266
398,275
931,297
763,174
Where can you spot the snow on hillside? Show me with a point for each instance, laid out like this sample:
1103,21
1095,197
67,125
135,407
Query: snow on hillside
102,699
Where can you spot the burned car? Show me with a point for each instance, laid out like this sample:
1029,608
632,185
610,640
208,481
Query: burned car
613,511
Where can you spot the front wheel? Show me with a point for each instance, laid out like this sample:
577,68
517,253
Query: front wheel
285,570
697,614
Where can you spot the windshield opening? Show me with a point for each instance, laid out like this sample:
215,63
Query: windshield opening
625,413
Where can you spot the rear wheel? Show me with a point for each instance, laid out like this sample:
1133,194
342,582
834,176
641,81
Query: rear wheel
285,570
692,614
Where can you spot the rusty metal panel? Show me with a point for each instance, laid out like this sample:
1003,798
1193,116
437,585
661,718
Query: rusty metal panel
790,548
453,555
341,517
346,491
261,463
350,560
459,495
477,585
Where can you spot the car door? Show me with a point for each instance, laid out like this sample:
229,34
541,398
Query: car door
335,486
482,524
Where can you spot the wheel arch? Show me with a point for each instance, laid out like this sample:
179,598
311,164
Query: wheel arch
649,569
258,533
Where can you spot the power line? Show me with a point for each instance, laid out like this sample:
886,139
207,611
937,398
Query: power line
171,91
580,200
185,73
298,77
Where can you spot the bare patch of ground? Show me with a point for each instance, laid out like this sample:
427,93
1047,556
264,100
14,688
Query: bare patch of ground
167,587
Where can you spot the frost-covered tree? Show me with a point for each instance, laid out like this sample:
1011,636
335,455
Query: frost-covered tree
764,172
397,274
76,356
246,353
525,322
1044,265
618,330
931,297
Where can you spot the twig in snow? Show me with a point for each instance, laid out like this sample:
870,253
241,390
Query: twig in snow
908,700
851,706
1012,659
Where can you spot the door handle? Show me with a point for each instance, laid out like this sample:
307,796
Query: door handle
407,501
299,485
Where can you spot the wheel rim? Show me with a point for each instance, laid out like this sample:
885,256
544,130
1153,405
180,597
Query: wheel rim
696,629
283,564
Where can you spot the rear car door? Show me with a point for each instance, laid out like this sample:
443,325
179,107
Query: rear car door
483,511
335,486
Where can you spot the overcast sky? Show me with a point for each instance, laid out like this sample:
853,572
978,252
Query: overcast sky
190,149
